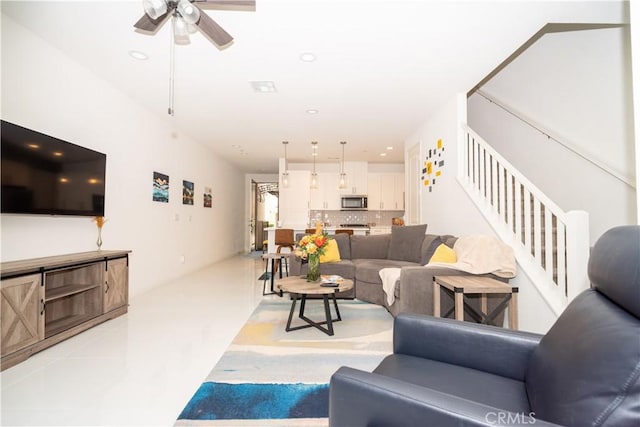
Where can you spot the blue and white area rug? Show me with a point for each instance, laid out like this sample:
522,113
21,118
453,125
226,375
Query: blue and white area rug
269,377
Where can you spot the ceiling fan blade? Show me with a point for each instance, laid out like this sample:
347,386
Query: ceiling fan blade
213,30
147,24
227,2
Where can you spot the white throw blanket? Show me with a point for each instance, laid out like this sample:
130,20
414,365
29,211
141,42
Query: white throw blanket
476,254
389,278
480,254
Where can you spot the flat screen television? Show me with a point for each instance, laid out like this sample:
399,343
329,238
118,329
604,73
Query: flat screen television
47,176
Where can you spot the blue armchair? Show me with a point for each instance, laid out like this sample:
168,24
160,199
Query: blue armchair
584,372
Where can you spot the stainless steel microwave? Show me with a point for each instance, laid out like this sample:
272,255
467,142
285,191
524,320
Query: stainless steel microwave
353,203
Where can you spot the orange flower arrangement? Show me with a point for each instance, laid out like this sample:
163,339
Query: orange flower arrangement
312,244
310,247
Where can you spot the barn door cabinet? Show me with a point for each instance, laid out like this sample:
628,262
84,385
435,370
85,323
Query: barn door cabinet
46,300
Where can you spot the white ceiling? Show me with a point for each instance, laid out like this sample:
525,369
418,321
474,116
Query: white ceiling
382,67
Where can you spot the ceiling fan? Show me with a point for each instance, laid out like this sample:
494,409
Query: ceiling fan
186,13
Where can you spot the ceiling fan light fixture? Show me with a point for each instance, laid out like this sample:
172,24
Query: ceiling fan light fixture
180,29
189,12
154,8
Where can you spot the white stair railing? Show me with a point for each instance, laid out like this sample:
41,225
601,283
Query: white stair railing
551,246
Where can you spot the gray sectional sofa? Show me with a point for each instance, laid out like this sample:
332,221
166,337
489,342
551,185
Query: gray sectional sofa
406,247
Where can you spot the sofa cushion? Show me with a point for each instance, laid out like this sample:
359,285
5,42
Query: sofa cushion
344,245
331,252
444,253
429,246
368,270
344,268
370,247
406,242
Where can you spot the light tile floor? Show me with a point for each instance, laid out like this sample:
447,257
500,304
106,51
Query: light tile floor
143,367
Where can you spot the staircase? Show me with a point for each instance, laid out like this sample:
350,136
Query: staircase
551,246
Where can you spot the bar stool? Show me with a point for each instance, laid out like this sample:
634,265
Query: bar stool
284,239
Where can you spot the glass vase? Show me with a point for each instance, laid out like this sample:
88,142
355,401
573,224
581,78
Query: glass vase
99,241
314,268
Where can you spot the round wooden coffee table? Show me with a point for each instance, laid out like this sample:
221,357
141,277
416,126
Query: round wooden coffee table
299,288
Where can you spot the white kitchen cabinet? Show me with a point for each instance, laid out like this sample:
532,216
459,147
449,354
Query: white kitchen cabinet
293,209
386,191
326,196
398,180
357,177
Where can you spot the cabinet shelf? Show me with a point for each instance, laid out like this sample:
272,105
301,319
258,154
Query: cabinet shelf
64,323
64,291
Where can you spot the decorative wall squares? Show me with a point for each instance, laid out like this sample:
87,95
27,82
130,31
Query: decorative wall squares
160,187
187,192
433,164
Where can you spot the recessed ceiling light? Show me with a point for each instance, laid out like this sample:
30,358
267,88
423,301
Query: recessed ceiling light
389,148
136,54
383,154
263,86
307,57
312,111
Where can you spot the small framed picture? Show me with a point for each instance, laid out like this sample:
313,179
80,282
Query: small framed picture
187,192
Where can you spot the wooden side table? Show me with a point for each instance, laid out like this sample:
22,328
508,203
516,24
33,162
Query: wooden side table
463,285
273,257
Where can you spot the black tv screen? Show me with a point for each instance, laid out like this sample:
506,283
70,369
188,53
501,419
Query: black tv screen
45,175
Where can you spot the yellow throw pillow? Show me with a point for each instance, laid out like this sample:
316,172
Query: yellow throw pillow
331,252
444,253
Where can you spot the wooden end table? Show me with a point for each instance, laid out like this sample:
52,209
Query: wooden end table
464,285
299,288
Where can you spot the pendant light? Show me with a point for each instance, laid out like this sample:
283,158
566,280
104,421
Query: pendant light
314,175
285,174
342,183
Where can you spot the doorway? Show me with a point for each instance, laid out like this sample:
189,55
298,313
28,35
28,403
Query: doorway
264,211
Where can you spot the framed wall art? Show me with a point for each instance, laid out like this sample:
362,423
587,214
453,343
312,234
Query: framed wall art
160,187
187,192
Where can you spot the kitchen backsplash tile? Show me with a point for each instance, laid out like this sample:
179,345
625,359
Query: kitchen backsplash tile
335,218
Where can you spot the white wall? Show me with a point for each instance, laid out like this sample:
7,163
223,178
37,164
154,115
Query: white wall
448,210
577,86
44,90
